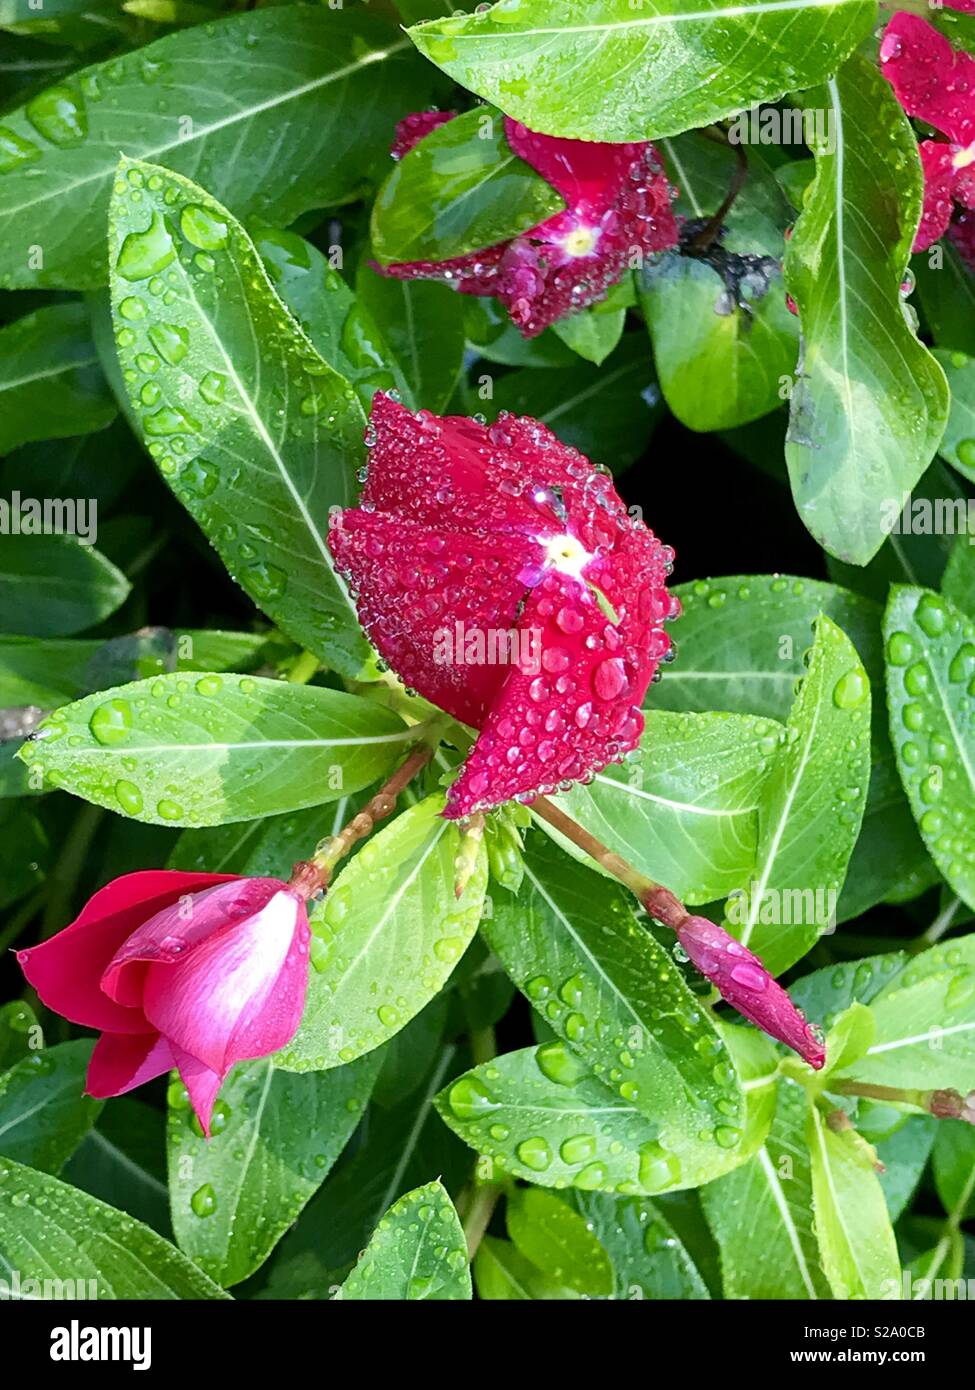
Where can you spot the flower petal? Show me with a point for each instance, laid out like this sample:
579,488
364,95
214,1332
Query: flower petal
122,1061
240,991
961,233
174,932
588,173
743,981
412,128
66,971
201,1082
940,178
931,79
569,713
424,593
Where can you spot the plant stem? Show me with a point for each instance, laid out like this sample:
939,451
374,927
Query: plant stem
660,902
311,876
485,1195
704,239
896,1095
479,1216
19,919
305,667
64,876
940,925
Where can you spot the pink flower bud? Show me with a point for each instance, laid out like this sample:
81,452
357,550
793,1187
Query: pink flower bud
742,980
193,971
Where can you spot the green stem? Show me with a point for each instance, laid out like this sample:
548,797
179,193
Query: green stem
22,917
484,1047
304,669
63,878
940,925
660,902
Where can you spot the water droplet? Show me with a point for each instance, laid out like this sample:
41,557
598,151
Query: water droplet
203,228
111,722
170,341
146,253
59,115
129,797
534,1153
851,690
204,1200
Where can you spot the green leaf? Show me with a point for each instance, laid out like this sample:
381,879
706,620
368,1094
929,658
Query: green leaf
953,1166
849,1038
958,443
246,421
685,812
930,671
204,750
648,1258
558,1241
275,1137
870,402
20,1032
386,938
306,103
54,1232
502,1274
342,331
602,70
44,1112
812,807
423,323
51,384
538,1114
741,641
856,1240
266,847
400,1147
761,1213
418,1251
49,673
124,1158
722,346
459,189
947,293
904,1155
628,402
925,1017
51,586
592,333
574,947
958,581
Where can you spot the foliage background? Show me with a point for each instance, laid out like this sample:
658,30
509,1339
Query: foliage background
309,1159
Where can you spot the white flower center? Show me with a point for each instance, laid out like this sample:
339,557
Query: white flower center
964,157
567,555
581,241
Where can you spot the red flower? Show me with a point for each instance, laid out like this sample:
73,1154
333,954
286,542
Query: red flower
935,82
617,211
501,576
741,979
193,971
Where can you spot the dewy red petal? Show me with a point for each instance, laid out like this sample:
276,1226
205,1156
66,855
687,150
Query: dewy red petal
742,980
412,129
961,233
936,83
618,211
502,577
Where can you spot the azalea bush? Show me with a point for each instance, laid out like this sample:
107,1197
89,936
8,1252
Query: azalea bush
487,681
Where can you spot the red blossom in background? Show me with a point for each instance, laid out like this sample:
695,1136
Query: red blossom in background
742,980
500,528
193,971
936,83
618,205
